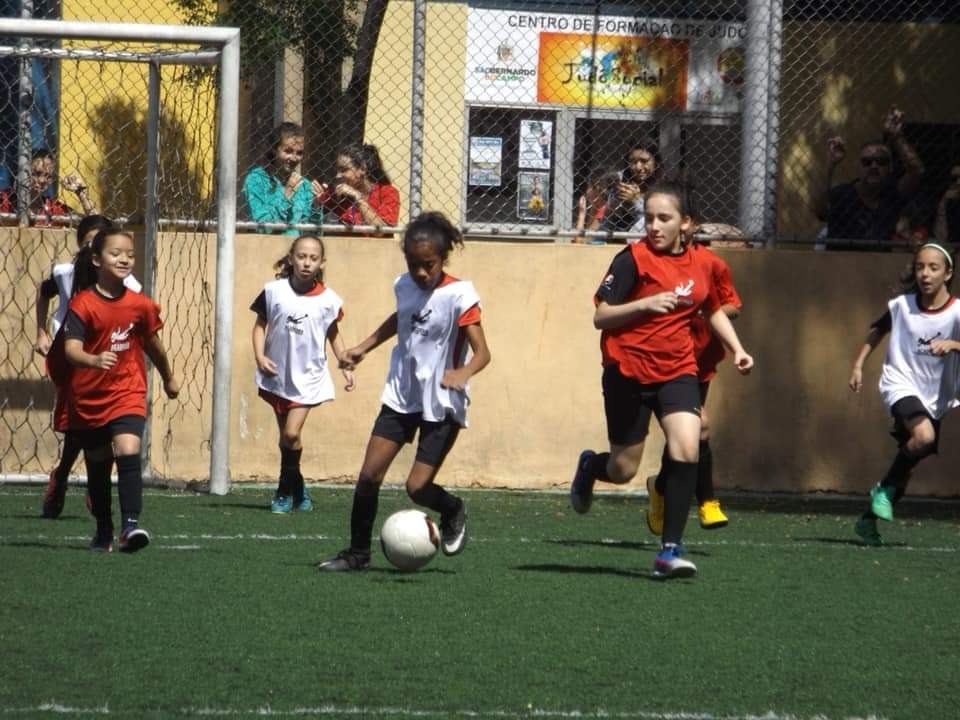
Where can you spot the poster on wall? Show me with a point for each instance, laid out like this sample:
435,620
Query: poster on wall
486,161
536,137
631,62
533,189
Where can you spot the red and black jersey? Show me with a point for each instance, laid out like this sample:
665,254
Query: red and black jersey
120,325
655,348
707,346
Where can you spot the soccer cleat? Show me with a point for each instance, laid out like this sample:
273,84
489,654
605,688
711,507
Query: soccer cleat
281,504
453,531
880,502
655,508
866,528
348,559
133,538
581,489
304,504
670,563
711,516
102,540
53,497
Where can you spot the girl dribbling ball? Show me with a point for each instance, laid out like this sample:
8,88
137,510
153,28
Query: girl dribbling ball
297,315
437,318
920,380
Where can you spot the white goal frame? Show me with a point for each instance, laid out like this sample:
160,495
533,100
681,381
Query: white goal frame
219,46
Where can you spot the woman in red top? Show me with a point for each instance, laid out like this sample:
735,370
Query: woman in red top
107,331
644,307
361,194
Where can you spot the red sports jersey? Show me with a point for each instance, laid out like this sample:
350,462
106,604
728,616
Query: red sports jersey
707,346
121,326
657,348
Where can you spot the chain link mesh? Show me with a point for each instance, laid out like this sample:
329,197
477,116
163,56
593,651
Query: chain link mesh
530,115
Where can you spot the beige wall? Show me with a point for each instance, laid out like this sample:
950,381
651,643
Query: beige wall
791,426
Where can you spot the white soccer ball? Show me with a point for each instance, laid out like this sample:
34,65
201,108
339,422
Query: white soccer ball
409,539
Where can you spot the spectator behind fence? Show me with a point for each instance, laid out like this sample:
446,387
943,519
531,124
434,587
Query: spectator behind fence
946,226
642,168
42,175
276,192
868,208
592,205
361,193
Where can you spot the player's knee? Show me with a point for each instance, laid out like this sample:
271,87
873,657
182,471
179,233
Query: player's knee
922,441
366,482
290,439
621,470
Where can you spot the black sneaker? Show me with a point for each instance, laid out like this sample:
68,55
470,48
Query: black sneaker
53,497
133,538
453,531
348,559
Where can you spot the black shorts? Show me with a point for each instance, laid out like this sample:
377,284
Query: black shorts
906,409
628,403
436,438
92,438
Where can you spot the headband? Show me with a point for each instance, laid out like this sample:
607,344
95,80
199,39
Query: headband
942,249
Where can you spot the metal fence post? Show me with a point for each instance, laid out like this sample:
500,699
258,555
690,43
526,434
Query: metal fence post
151,216
24,121
417,106
760,118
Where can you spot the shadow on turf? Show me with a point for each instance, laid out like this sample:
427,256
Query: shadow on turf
240,506
848,541
581,570
652,546
44,546
922,508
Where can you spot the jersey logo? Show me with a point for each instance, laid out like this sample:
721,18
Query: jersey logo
421,318
120,339
683,291
293,323
923,344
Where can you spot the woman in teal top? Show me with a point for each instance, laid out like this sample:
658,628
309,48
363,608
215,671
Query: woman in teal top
276,192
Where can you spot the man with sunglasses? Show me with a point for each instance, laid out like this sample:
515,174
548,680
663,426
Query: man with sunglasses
868,208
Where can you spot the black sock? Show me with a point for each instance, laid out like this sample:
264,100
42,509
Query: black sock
705,474
364,512
437,499
98,488
129,488
291,481
661,482
597,466
899,473
71,451
677,495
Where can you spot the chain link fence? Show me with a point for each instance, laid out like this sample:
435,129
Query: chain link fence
537,120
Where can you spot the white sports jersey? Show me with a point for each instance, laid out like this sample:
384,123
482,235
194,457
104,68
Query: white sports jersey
296,341
430,339
909,368
63,276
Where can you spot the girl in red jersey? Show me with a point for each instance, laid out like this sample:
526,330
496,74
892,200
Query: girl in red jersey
437,319
297,315
709,352
644,308
106,331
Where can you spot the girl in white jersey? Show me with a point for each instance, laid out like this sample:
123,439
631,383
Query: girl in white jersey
297,315
60,284
437,317
920,380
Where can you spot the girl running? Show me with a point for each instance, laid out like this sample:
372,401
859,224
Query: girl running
50,345
107,331
920,380
437,316
297,315
644,308
709,352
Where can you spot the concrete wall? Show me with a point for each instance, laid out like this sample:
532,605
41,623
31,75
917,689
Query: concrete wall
791,426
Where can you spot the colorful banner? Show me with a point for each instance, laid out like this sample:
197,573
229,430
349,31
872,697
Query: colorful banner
612,71
631,62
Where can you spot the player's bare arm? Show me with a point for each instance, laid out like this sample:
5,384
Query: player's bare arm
387,329
723,329
340,353
76,355
265,364
856,374
157,353
456,379
608,317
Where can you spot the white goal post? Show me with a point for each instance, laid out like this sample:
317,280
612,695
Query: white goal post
218,46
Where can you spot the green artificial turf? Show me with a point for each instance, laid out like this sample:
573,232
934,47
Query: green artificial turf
546,614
